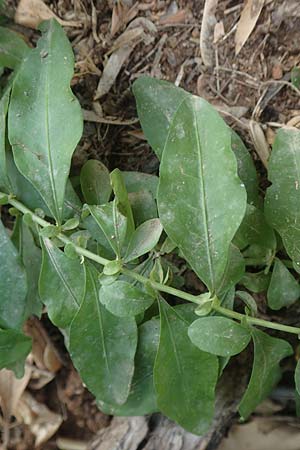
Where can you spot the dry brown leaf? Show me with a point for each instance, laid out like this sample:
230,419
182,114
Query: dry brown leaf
43,352
11,389
178,17
42,422
259,141
30,13
139,30
294,122
121,15
219,32
207,32
247,22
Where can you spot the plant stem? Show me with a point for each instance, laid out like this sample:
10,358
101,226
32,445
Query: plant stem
256,321
158,286
43,223
162,287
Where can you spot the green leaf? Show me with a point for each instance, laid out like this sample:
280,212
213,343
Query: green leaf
139,181
142,189
297,376
143,206
234,271
12,48
4,179
295,77
31,256
112,224
256,281
200,194
61,284
121,199
124,300
14,347
219,335
254,230
283,197
283,290
13,284
249,301
102,346
157,101
27,194
142,398
268,352
246,168
70,224
144,239
43,147
184,376
95,182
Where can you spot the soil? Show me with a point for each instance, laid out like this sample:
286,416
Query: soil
239,84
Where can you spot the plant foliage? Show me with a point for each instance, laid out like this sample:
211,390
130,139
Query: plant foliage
101,257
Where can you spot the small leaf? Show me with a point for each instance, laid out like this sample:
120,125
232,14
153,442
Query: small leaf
283,290
13,48
124,299
199,191
13,284
95,182
70,224
248,300
142,189
268,352
42,89
50,231
219,335
256,281
121,199
112,267
297,376
283,197
142,398
15,347
107,367
61,284
144,239
184,376
112,224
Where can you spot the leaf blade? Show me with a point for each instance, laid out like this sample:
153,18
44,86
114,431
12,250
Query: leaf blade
184,376
41,90
111,338
189,203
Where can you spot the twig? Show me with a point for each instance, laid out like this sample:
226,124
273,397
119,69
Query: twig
207,30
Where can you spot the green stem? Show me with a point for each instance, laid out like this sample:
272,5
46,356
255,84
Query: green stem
162,287
43,223
158,286
255,321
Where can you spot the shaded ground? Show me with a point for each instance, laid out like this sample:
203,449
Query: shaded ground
255,84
